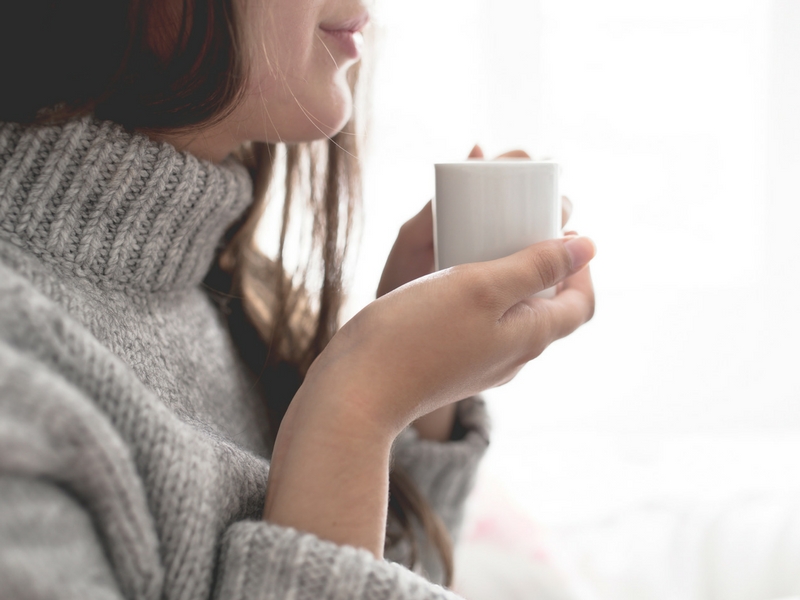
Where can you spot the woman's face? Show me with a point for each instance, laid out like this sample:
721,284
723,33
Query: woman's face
298,53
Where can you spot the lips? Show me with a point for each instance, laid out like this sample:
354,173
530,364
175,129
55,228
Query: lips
346,34
352,25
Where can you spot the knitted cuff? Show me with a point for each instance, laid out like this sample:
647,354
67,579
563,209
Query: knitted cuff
445,472
263,561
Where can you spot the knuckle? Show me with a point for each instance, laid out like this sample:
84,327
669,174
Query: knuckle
483,291
479,288
533,351
549,265
538,337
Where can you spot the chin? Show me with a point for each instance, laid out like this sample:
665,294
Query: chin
305,115
324,120
324,116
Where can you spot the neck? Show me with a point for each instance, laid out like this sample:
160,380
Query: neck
213,143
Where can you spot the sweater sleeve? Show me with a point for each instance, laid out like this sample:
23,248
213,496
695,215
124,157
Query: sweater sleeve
261,561
75,523
266,561
445,472
49,549
48,546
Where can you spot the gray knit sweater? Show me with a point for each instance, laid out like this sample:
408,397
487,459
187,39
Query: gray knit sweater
132,453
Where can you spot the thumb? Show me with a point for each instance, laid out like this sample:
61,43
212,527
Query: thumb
541,266
476,152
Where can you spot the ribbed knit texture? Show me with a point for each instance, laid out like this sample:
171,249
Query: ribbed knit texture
117,210
132,454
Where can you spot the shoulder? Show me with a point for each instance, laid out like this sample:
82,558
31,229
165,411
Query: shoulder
76,476
48,383
57,424
52,375
37,334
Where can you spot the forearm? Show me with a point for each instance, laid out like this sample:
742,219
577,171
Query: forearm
330,475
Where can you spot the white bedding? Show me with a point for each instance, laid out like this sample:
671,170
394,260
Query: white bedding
745,547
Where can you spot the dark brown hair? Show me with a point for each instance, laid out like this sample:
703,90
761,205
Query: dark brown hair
149,69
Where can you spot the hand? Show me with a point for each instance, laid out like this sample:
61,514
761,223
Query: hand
412,257
455,333
416,350
427,344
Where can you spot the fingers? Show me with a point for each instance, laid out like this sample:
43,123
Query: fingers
425,215
476,152
539,267
535,323
573,306
426,208
514,154
566,210
418,230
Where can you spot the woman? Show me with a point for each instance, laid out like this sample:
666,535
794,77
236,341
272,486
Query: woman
146,371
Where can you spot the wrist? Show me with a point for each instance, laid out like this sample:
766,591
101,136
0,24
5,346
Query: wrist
341,416
352,392
330,474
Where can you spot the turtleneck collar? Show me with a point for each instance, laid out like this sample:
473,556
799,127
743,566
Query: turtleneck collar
116,208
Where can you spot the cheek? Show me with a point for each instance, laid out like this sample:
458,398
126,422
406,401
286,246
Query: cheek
326,91
301,96
296,91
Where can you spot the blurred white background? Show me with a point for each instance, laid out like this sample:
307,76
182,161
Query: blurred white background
677,125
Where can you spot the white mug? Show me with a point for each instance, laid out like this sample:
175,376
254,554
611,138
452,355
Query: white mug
484,210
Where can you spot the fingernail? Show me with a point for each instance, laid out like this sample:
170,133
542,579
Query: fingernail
581,250
476,152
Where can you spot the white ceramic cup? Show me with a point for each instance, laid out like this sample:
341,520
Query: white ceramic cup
484,210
